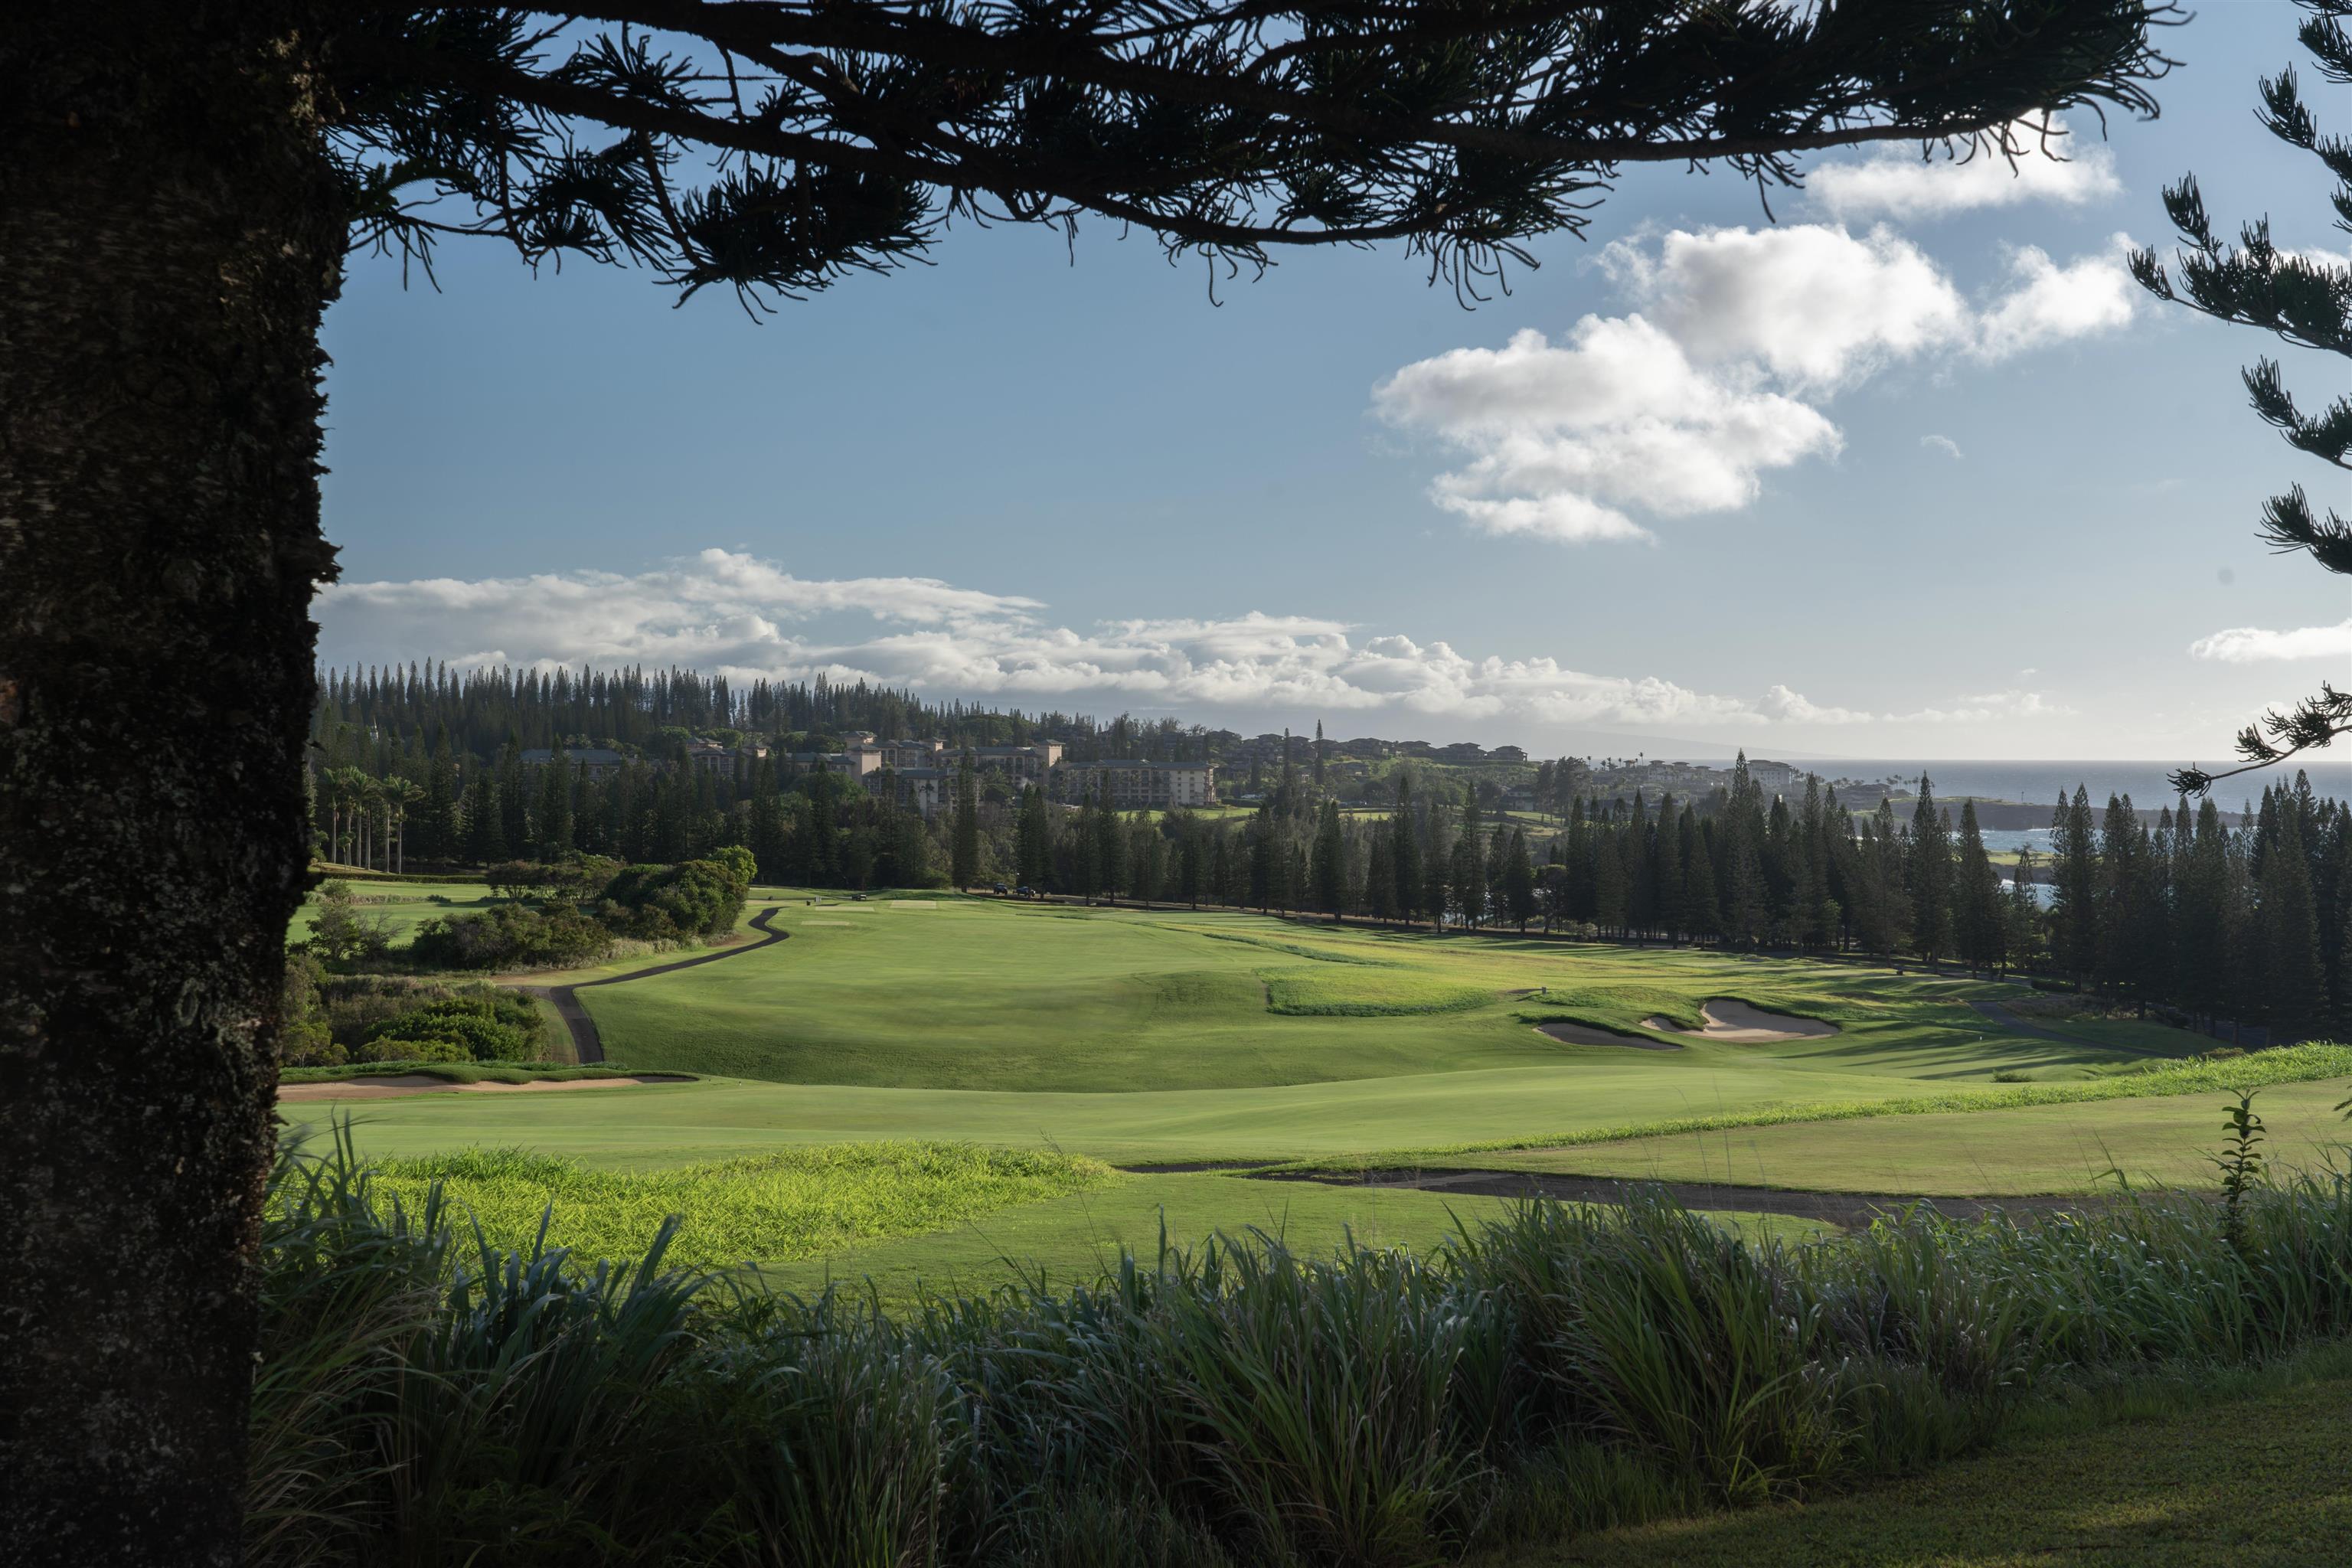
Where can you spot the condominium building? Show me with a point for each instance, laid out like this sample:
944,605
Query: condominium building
1140,786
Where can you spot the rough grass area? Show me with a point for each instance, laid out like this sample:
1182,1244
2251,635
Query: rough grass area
1382,994
462,1072
2258,1481
773,1207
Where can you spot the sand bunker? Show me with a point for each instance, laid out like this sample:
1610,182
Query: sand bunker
392,1085
1735,1021
1586,1035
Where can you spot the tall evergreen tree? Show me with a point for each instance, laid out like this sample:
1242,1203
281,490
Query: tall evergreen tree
1931,876
1036,839
2295,983
1404,850
963,856
1518,881
1328,872
1980,924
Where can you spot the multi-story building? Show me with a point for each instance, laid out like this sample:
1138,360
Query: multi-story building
1140,786
1033,763
712,757
857,762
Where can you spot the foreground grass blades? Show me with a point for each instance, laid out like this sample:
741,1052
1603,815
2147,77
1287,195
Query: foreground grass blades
429,1398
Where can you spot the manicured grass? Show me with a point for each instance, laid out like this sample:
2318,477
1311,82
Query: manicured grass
1602,1100
2159,1141
2254,1481
980,994
453,1072
1075,1240
799,1202
402,906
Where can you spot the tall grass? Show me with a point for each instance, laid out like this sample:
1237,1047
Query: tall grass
428,1397
768,1208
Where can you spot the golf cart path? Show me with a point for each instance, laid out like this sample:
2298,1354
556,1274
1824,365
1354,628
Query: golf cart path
587,1045
2003,1018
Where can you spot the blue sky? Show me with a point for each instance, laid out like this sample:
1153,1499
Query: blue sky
1905,474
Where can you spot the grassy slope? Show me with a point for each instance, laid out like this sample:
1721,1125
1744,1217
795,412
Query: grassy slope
977,995
2252,1481
2041,1149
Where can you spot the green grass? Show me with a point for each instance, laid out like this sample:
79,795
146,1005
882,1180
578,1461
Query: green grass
1324,993
802,1202
2252,1482
401,905
1074,1240
1173,1036
983,996
2067,1148
454,1072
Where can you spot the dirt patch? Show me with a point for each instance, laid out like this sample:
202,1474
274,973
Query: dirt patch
392,1086
1734,1021
1587,1035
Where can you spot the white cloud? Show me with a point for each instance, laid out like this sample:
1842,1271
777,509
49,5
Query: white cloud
746,618
1944,444
1896,181
1712,381
2051,303
2254,644
1811,306
1564,435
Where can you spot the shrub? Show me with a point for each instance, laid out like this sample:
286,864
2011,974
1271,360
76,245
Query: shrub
395,1048
509,937
340,934
425,1395
693,898
498,1028
305,1037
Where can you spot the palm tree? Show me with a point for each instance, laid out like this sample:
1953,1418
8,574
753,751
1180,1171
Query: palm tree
399,795
346,788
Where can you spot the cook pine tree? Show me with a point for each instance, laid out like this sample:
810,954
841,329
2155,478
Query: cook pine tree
182,188
2303,296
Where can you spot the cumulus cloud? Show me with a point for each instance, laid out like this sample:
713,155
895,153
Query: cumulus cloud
1564,435
1944,444
1896,182
2254,645
2051,303
748,618
1715,377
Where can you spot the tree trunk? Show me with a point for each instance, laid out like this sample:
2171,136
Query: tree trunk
169,236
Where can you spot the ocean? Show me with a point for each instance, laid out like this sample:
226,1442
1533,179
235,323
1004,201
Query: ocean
2040,784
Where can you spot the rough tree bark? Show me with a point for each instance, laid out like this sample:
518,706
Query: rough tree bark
168,240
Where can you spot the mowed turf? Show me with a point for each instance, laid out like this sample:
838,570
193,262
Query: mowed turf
980,996
402,905
2168,1142
1076,1240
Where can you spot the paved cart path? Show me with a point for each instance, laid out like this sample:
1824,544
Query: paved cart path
587,1045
